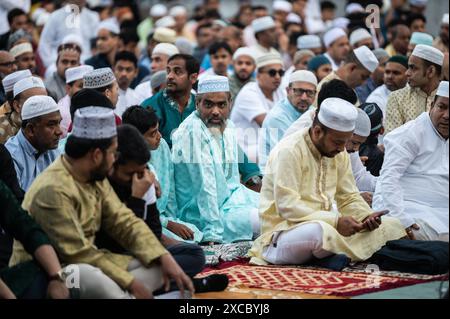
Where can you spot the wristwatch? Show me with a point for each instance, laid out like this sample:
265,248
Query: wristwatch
254,180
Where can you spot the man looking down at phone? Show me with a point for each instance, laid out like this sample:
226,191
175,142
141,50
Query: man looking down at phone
305,173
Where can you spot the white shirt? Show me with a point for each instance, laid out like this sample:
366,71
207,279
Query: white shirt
126,99
380,97
365,181
260,50
414,181
143,91
303,121
287,75
249,36
8,5
63,22
250,103
64,110
334,64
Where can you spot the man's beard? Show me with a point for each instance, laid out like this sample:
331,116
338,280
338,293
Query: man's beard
100,173
243,79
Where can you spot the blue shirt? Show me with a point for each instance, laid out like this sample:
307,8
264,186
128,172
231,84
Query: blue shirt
275,125
365,90
27,160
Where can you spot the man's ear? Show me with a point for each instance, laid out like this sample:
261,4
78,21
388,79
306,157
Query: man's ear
16,107
193,78
97,156
381,131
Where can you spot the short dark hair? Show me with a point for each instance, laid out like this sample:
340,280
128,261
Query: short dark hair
294,37
259,7
128,36
316,122
216,46
352,58
202,26
77,147
32,121
415,16
131,146
141,118
336,88
437,66
395,28
88,97
15,13
192,65
324,5
126,56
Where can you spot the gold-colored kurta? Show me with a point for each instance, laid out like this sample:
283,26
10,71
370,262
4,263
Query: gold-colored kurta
328,78
405,105
439,44
5,108
300,186
71,213
9,126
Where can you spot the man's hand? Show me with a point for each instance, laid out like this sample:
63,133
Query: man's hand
57,290
364,159
158,189
373,221
138,290
348,226
410,231
5,292
367,197
181,230
141,184
172,271
381,148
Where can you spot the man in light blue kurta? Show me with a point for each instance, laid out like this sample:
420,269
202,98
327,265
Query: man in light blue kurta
300,96
34,148
207,182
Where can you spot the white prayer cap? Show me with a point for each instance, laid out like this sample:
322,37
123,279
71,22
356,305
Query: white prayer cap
282,5
158,10
166,49
37,13
363,124
341,22
380,54
244,51
178,11
99,3
332,35
294,18
303,76
184,45
94,123
77,73
267,59
366,58
421,38
338,114
20,49
98,78
213,84
443,89
359,35
38,105
165,35
73,38
429,53
11,79
220,23
262,24
157,79
42,19
26,84
445,18
166,22
109,25
353,8
418,3
309,42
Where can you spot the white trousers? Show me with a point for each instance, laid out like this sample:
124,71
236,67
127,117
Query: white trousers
94,284
255,221
296,246
426,232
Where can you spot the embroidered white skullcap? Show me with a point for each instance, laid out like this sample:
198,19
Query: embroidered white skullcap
220,22
98,78
366,58
442,89
178,11
244,51
445,18
303,76
213,84
338,114
363,124
11,79
26,84
165,35
166,49
165,22
418,3
262,24
42,19
158,10
309,41
332,35
38,105
353,8
94,123
77,73
294,18
282,5
73,38
110,26
359,35
341,22
267,59
20,49
429,53
421,38
158,78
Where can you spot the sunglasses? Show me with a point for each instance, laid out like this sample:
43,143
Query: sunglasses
300,92
272,72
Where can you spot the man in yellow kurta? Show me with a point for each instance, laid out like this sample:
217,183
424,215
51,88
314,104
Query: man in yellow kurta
424,76
306,173
72,200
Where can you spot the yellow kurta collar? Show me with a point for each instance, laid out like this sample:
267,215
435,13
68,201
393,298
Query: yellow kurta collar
315,152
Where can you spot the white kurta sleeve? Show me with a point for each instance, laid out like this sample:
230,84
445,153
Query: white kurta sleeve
365,181
47,42
248,105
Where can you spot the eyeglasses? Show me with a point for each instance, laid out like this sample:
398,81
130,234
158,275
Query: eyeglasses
300,92
272,72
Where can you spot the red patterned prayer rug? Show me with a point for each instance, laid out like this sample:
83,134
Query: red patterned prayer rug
317,281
